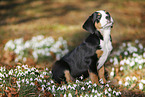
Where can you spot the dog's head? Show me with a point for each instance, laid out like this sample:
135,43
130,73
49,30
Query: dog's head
98,20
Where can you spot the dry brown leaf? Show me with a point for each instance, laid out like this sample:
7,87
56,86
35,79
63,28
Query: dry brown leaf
46,76
12,89
8,56
9,95
12,92
117,70
7,91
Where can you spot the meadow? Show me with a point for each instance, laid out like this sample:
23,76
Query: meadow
36,33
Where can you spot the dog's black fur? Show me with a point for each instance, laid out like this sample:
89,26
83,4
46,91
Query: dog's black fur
83,59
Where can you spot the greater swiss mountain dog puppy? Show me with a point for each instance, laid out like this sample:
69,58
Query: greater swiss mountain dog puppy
89,57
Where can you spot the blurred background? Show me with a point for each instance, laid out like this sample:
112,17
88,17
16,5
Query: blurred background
28,18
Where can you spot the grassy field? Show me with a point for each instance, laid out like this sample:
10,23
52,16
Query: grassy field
29,18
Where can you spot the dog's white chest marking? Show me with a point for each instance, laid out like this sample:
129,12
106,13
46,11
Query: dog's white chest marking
106,47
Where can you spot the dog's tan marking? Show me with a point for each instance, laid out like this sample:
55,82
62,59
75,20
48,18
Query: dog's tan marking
99,53
98,25
67,76
94,78
101,74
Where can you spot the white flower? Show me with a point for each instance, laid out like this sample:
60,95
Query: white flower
121,68
77,81
123,44
143,81
32,84
118,93
81,77
101,81
114,92
41,75
134,78
46,69
127,61
23,80
99,94
122,62
64,95
44,81
35,55
27,44
1,75
115,61
95,85
140,67
120,82
93,90
126,53
31,79
24,59
140,86
86,95
52,81
144,54
42,89
111,60
106,92
48,88
136,41
69,95
69,86
83,88
128,44
109,95
109,89
140,46
10,44
11,72
18,41
126,84
75,85
112,73
48,83
132,63
40,80
127,78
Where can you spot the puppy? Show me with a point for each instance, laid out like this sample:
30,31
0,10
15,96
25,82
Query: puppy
89,57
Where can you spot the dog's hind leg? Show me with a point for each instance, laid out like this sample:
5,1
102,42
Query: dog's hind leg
60,71
93,77
67,76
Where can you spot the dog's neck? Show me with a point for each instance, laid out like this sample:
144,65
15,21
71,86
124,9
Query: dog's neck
106,33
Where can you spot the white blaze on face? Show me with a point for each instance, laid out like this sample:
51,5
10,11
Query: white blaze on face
103,21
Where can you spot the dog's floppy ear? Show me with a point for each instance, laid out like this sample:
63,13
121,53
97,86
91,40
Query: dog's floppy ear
89,24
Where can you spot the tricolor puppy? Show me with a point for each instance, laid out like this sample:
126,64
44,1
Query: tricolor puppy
86,59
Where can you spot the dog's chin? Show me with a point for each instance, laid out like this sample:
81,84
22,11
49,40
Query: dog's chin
108,25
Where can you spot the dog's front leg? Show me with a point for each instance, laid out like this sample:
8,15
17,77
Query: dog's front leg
101,62
93,74
101,73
